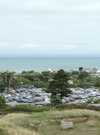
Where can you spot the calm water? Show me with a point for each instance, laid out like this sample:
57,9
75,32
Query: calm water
39,64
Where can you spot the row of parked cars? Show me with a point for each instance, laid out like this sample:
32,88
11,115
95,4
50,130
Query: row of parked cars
37,96
28,95
80,95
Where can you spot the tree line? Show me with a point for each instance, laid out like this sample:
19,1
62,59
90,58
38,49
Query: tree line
58,83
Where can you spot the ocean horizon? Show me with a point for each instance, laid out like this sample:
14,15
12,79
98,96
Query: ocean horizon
43,64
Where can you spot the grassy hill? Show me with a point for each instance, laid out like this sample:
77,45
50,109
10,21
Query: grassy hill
86,122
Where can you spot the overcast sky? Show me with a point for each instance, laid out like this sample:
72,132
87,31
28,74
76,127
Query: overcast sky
49,27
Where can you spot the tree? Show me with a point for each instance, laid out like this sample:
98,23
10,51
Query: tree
59,86
2,86
81,69
7,79
83,75
97,82
2,101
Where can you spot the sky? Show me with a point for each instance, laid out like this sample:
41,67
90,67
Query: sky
30,28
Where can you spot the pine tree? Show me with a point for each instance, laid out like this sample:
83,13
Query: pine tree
59,86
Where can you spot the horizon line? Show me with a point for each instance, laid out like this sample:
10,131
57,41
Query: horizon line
1,57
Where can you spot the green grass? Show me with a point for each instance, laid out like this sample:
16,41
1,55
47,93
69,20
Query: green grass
16,124
86,122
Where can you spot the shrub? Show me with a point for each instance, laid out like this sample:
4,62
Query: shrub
97,82
2,101
29,108
55,100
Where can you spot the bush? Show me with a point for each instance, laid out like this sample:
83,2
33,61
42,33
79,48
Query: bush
2,101
29,108
85,84
97,82
55,100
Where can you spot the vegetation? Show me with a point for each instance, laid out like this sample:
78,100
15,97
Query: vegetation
15,124
46,120
12,80
28,108
48,123
2,101
7,80
56,83
59,87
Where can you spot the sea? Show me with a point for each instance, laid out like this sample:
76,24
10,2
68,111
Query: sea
44,64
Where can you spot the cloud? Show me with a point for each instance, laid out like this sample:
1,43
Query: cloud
48,6
66,47
92,6
28,46
49,26
49,47
58,6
